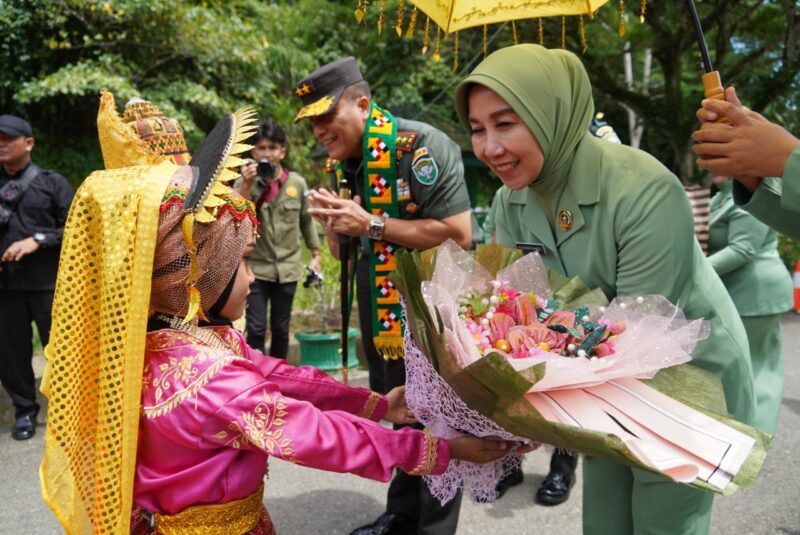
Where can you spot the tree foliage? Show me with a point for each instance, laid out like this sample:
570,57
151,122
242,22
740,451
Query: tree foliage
200,59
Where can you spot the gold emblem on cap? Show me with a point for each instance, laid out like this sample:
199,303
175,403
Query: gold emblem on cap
315,108
565,219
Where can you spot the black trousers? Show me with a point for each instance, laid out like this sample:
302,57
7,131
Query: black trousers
17,310
278,296
408,495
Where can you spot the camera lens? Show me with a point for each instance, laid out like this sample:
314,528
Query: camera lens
265,169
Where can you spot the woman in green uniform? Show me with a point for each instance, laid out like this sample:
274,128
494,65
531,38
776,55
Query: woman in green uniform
618,219
744,253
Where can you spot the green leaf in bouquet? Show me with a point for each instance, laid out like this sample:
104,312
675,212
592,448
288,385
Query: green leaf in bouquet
408,281
495,257
573,293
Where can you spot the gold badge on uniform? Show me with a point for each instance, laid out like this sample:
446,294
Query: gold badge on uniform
565,219
291,191
412,207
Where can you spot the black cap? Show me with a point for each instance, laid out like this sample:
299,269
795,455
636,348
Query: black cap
320,91
15,126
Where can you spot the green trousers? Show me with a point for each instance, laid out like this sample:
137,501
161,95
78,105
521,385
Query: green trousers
618,500
764,335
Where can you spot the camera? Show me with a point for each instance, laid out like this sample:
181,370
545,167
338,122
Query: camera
265,169
313,278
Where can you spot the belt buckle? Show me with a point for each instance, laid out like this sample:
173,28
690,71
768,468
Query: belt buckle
150,517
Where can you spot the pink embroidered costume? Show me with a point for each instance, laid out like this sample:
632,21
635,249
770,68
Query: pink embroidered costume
221,413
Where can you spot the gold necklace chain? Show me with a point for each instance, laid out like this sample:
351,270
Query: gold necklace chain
206,335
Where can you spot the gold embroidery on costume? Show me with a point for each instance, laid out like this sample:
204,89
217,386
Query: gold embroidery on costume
166,406
183,371
263,427
370,405
429,458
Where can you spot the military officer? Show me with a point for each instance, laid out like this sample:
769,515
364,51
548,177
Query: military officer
409,191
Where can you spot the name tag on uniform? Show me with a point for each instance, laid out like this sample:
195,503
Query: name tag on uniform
532,248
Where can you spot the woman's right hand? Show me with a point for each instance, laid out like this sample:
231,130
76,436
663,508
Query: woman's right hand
477,450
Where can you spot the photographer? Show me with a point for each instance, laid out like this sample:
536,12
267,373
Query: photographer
280,197
34,204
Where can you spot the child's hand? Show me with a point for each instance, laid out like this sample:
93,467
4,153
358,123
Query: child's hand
398,412
477,450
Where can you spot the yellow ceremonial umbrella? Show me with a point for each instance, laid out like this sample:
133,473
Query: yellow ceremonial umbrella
452,16
455,15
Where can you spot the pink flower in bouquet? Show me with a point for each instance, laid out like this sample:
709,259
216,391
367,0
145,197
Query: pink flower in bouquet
525,312
499,326
535,339
480,335
506,300
617,328
564,317
604,349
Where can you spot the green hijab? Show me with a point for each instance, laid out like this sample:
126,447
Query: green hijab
550,91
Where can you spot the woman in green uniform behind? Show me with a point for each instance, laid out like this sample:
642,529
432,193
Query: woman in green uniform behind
744,253
618,219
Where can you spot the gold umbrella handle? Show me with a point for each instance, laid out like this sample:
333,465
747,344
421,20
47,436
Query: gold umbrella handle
712,88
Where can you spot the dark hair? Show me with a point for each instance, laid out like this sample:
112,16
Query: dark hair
270,130
358,89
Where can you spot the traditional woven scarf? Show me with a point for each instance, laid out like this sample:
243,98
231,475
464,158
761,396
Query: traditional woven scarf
380,198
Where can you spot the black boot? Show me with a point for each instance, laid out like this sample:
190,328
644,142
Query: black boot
25,427
386,524
511,480
556,486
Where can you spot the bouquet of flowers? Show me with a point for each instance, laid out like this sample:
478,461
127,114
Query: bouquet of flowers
499,346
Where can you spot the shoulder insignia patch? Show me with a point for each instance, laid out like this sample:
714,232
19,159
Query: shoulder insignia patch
330,165
405,141
424,167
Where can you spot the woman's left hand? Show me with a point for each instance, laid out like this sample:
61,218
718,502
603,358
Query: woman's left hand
398,412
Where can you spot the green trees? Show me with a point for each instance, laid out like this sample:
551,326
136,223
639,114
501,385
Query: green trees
200,59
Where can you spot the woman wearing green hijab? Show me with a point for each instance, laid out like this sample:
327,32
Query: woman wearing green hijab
744,253
618,219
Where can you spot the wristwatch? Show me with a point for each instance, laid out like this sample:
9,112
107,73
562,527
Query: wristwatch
375,228
39,238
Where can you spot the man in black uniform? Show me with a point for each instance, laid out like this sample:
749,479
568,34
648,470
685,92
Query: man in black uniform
34,204
409,191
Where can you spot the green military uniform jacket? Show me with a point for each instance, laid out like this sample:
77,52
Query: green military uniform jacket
443,197
744,253
281,223
776,202
631,234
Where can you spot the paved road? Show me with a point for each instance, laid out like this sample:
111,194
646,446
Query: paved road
306,502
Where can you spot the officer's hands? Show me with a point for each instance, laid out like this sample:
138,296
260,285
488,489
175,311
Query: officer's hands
748,147
342,216
398,412
19,249
477,450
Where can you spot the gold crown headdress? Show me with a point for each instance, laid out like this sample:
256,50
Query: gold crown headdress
143,136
